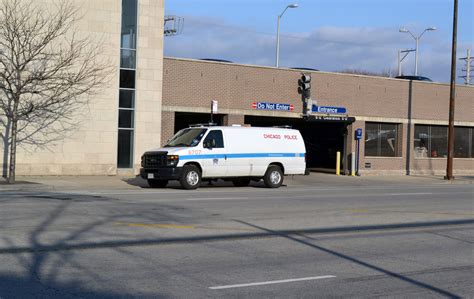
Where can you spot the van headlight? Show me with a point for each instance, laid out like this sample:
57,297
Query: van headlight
172,160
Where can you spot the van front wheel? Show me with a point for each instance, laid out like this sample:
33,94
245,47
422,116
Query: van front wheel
190,178
273,177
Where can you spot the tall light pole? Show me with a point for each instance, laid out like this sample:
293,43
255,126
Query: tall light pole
294,5
417,39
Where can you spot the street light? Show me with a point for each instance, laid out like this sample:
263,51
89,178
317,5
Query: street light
417,39
294,5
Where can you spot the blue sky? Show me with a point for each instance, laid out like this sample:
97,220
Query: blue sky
329,35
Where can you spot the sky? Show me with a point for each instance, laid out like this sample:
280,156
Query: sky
329,35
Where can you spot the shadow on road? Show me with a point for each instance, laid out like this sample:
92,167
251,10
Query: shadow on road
356,261
139,182
43,263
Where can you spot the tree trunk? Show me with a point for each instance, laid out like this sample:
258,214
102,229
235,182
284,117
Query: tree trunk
6,148
14,132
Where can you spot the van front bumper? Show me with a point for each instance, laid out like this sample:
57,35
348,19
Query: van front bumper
163,173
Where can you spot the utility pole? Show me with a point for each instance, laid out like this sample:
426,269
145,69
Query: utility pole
400,58
173,25
449,166
468,60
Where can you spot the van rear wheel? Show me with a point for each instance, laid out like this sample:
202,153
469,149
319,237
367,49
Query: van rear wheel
190,178
273,177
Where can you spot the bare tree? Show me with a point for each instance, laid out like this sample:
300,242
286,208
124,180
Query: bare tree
47,73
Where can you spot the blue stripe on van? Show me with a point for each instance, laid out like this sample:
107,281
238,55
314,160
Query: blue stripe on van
250,155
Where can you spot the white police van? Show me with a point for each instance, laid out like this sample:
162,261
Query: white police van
235,153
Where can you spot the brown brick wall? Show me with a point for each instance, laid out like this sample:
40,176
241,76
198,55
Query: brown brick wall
167,126
234,119
193,84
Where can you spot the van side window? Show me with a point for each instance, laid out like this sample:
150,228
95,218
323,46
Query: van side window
214,139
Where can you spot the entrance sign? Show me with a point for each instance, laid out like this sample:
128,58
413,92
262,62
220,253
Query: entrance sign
272,106
329,110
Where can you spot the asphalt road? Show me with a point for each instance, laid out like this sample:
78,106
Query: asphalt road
304,241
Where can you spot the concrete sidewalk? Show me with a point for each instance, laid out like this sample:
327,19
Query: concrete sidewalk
45,183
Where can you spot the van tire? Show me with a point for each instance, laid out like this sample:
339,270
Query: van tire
273,177
191,177
241,182
157,183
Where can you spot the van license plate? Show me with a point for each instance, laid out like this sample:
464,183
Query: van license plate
151,176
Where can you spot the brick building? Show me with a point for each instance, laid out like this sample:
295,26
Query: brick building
404,123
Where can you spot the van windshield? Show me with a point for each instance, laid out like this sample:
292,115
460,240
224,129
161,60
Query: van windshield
186,138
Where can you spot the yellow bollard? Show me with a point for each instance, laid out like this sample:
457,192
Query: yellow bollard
338,163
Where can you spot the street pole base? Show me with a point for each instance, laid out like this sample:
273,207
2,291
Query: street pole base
449,178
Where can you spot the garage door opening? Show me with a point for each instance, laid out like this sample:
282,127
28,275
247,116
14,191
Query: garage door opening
183,120
322,139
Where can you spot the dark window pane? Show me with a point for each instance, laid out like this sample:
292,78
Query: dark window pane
388,140
125,118
421,142
127,79
439,142
472,142
129,24
127,98
127,59
461,142
125,142
214,139
371,139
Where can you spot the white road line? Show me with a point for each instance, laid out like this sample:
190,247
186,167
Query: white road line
270,282
216,198
417,193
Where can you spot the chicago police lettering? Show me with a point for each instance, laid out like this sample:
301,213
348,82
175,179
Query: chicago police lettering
271,136
277,136
272,106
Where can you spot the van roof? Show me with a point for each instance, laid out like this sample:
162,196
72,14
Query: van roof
239,127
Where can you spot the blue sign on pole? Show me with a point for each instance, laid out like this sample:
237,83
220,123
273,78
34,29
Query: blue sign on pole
358,134
328,110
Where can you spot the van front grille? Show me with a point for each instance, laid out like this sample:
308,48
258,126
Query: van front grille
154,160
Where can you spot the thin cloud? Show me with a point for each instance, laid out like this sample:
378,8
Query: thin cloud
325,48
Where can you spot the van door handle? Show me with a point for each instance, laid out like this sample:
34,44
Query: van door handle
225,157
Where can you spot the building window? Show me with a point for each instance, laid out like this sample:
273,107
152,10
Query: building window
126,118
381,140
432,142
463,142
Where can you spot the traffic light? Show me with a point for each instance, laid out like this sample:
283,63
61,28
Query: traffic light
305,85
304,88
